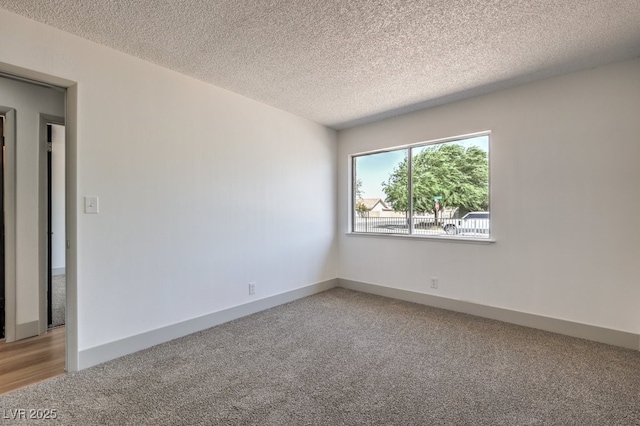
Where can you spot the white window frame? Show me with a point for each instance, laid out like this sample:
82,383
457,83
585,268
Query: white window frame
410,232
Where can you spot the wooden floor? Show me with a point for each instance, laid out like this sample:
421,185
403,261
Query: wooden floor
31,360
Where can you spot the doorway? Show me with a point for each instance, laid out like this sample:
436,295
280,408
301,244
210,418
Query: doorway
24,201
55,201
24,94
2,275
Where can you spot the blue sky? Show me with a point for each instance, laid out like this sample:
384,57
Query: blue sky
373,169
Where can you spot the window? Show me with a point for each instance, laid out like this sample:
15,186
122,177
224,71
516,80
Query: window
428,189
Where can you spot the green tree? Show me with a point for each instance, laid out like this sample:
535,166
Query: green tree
359,191
361,208
460,176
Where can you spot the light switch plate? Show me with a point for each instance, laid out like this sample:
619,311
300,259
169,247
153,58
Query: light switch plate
91,205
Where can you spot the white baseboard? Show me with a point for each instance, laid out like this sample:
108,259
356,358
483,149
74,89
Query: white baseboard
108,351
584,331
99,354
28,329
58,271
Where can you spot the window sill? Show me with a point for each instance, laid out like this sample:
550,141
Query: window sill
452,239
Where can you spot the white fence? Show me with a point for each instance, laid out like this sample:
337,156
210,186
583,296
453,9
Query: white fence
423,226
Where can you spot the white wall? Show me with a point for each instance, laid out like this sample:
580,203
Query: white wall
563,151
201,190
57,198
29,101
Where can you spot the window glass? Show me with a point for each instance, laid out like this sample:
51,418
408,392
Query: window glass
448,182
372,213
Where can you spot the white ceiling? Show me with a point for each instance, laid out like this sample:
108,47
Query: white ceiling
346,62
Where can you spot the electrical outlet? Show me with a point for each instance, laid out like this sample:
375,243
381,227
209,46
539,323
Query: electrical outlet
434,282
252,288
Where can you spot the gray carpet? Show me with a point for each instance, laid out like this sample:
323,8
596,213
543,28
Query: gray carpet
348,358
58,303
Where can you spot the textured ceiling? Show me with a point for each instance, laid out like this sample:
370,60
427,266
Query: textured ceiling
346,62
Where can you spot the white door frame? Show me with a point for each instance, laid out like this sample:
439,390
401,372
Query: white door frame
42,219
9,223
